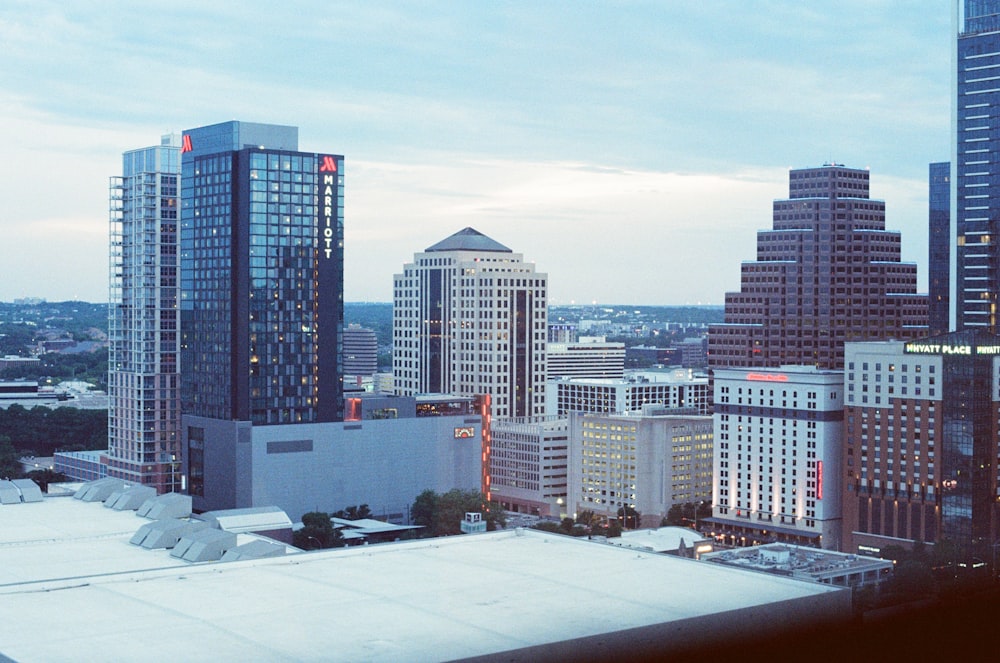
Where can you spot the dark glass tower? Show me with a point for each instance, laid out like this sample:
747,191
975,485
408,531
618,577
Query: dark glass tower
261,279
977,152
939,247
827,272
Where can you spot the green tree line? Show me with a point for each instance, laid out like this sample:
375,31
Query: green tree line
41,431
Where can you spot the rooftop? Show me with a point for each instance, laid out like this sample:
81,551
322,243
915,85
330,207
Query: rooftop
798,561
431,599
468,239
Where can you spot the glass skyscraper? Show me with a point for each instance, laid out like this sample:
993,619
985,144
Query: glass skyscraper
939,247
261,282
977,154
144,444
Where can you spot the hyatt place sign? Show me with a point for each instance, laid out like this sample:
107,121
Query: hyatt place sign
921,348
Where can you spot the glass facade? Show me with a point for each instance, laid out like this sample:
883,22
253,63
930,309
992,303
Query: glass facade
969,444
261,280
939,247
977,181
144,408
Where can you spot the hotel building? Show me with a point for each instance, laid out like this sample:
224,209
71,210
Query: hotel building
261,303
678,388
922,442
777,456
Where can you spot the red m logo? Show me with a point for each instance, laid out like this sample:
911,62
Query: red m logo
328,165
186,144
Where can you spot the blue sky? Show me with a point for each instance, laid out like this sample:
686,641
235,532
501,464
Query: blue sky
630,149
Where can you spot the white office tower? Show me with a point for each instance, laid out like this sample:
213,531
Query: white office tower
778,438
470,318
144,446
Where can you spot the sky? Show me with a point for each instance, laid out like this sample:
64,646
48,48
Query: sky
631,150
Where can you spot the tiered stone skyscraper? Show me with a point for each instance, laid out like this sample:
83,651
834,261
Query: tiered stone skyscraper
827,272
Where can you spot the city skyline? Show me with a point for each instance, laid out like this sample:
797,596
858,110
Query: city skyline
545,127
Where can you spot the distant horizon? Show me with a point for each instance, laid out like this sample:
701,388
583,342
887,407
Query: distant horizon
551,304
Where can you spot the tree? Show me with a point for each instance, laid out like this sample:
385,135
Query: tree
10,462
424,506
587,518
674,516
317,532
45,476
910,580
567,524
359,512
629,516
442,515
614,529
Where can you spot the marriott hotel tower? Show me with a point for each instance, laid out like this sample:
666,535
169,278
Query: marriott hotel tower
261,288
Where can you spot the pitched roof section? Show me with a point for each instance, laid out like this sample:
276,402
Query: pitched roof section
468,239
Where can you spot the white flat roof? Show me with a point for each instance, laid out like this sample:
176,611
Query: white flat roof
71,584
659,539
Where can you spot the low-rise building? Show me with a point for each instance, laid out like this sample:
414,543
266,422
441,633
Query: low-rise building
388,450
528,464
646,460
825,566
679,388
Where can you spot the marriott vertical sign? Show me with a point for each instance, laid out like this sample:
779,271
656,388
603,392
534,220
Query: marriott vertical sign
328,204
330,289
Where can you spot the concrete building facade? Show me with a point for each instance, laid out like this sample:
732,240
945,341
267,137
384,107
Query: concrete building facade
360,351
679,388
647,460
391,450
590,357
528,464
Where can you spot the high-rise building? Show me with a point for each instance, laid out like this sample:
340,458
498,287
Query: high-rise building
939,248
976,192
261,286
921,443
826,272
470,318
777,471
144,444
360,351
